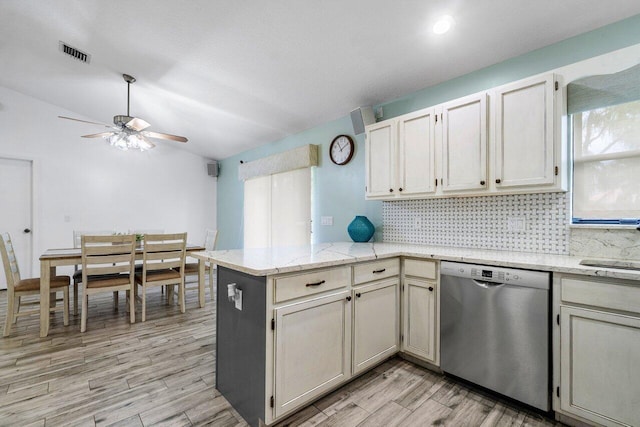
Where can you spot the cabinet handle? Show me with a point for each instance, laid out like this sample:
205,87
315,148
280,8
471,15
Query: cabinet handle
358,294
498,181
430,288
391,190
379,271
349,298
400,189
481,182
316,284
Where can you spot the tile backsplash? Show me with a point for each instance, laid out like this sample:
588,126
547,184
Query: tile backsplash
489,222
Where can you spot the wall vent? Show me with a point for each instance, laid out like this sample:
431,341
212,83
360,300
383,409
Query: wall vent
74,53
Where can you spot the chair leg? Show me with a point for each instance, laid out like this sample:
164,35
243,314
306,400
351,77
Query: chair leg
132,307
144,303
10,313
170,291
75,298
65,306
17,301
181,295
116,294
83,314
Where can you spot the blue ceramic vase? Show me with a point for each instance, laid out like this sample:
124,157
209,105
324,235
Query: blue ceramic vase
361,229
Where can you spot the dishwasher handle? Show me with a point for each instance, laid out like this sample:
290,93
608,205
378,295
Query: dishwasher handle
486,285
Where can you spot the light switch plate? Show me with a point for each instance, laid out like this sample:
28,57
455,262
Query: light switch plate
516,224
326,220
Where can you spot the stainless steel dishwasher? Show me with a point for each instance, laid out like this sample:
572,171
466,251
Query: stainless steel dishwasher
494,329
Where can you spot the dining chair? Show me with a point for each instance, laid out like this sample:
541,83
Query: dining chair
143,232
17,288
77,271
162,264
108,265
192,268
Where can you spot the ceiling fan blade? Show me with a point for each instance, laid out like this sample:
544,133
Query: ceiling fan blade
137,124
84,121
98,135
165,136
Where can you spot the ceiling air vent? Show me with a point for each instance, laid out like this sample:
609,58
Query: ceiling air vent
74,53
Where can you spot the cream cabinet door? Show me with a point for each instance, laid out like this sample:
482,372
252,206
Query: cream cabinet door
464,144
375,323
416,153
380,159
312,349
420,319
599,366
524,134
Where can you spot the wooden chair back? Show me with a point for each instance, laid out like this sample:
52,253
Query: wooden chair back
210,238
11,269
163,251
103,255
77,235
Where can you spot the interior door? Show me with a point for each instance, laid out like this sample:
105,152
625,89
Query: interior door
16,214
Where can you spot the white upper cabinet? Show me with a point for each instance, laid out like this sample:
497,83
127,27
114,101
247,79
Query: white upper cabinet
464,144
380,159
505,140
524,134
401,156
416,154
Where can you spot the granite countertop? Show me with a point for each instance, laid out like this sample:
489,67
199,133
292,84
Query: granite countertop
264,262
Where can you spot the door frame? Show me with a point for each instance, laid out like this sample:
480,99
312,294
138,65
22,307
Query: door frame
35,222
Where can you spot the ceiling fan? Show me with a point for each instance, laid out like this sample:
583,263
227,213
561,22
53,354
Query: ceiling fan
129,132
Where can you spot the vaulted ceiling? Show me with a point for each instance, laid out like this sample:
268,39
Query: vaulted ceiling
232,75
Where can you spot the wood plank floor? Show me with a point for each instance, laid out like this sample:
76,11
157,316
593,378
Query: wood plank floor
161,372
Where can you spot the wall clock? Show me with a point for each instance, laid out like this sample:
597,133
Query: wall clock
341,149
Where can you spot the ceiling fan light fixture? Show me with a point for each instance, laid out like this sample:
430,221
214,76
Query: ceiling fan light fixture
128,141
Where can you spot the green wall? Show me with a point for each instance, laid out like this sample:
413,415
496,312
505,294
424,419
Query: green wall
339,190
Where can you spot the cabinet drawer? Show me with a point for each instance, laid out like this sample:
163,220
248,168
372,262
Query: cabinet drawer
602,293
420,268
367,272
301,285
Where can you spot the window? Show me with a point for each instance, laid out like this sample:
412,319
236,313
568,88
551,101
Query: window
606,165
605,118
277,210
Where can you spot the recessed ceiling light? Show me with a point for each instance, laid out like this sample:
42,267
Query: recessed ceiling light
443,24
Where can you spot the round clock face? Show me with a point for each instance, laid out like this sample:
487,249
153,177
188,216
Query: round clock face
341,150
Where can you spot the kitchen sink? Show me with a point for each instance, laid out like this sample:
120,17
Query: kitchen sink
606,263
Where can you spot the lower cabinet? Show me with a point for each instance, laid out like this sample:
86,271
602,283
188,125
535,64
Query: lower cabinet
312,349
420,319
375,323
420,312
600,361
597,345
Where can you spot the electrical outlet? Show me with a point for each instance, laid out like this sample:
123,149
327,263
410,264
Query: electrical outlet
516,224
417,222
238,299
326,220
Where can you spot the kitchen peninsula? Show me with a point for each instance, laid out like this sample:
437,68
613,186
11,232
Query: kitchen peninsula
297,323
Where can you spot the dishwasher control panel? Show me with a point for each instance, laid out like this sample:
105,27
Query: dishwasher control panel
493,274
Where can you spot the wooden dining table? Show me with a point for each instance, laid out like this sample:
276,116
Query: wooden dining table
53,258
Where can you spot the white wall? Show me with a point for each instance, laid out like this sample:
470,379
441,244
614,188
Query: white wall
97,186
